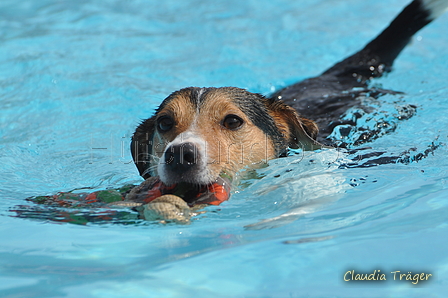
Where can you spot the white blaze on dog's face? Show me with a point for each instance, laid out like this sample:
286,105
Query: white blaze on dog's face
199,134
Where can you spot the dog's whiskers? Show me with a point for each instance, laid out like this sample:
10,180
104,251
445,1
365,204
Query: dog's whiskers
149,170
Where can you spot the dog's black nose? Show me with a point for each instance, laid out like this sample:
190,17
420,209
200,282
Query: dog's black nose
181,157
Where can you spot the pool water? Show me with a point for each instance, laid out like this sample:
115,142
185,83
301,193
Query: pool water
77,77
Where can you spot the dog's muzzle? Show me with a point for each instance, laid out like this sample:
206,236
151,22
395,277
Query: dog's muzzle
182,158
185,159
184,162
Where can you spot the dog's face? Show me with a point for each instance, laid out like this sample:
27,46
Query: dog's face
198,134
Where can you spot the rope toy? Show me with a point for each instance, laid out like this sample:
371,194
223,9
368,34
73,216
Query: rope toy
152,199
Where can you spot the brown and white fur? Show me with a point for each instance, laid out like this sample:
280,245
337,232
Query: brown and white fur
198,134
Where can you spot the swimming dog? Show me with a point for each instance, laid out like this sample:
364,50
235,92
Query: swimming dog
200,134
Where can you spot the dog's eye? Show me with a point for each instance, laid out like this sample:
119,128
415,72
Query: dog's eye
232,122
165,123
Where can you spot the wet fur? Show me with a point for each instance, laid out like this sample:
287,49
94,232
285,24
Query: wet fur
269,127
270,124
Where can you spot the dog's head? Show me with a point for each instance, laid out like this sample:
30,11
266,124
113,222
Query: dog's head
198,134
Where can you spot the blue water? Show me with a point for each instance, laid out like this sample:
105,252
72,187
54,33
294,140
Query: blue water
80,75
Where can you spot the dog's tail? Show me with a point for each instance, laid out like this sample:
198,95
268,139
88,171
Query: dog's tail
326,97
378,56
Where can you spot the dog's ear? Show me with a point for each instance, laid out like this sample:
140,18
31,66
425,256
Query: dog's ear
141,146
299,132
